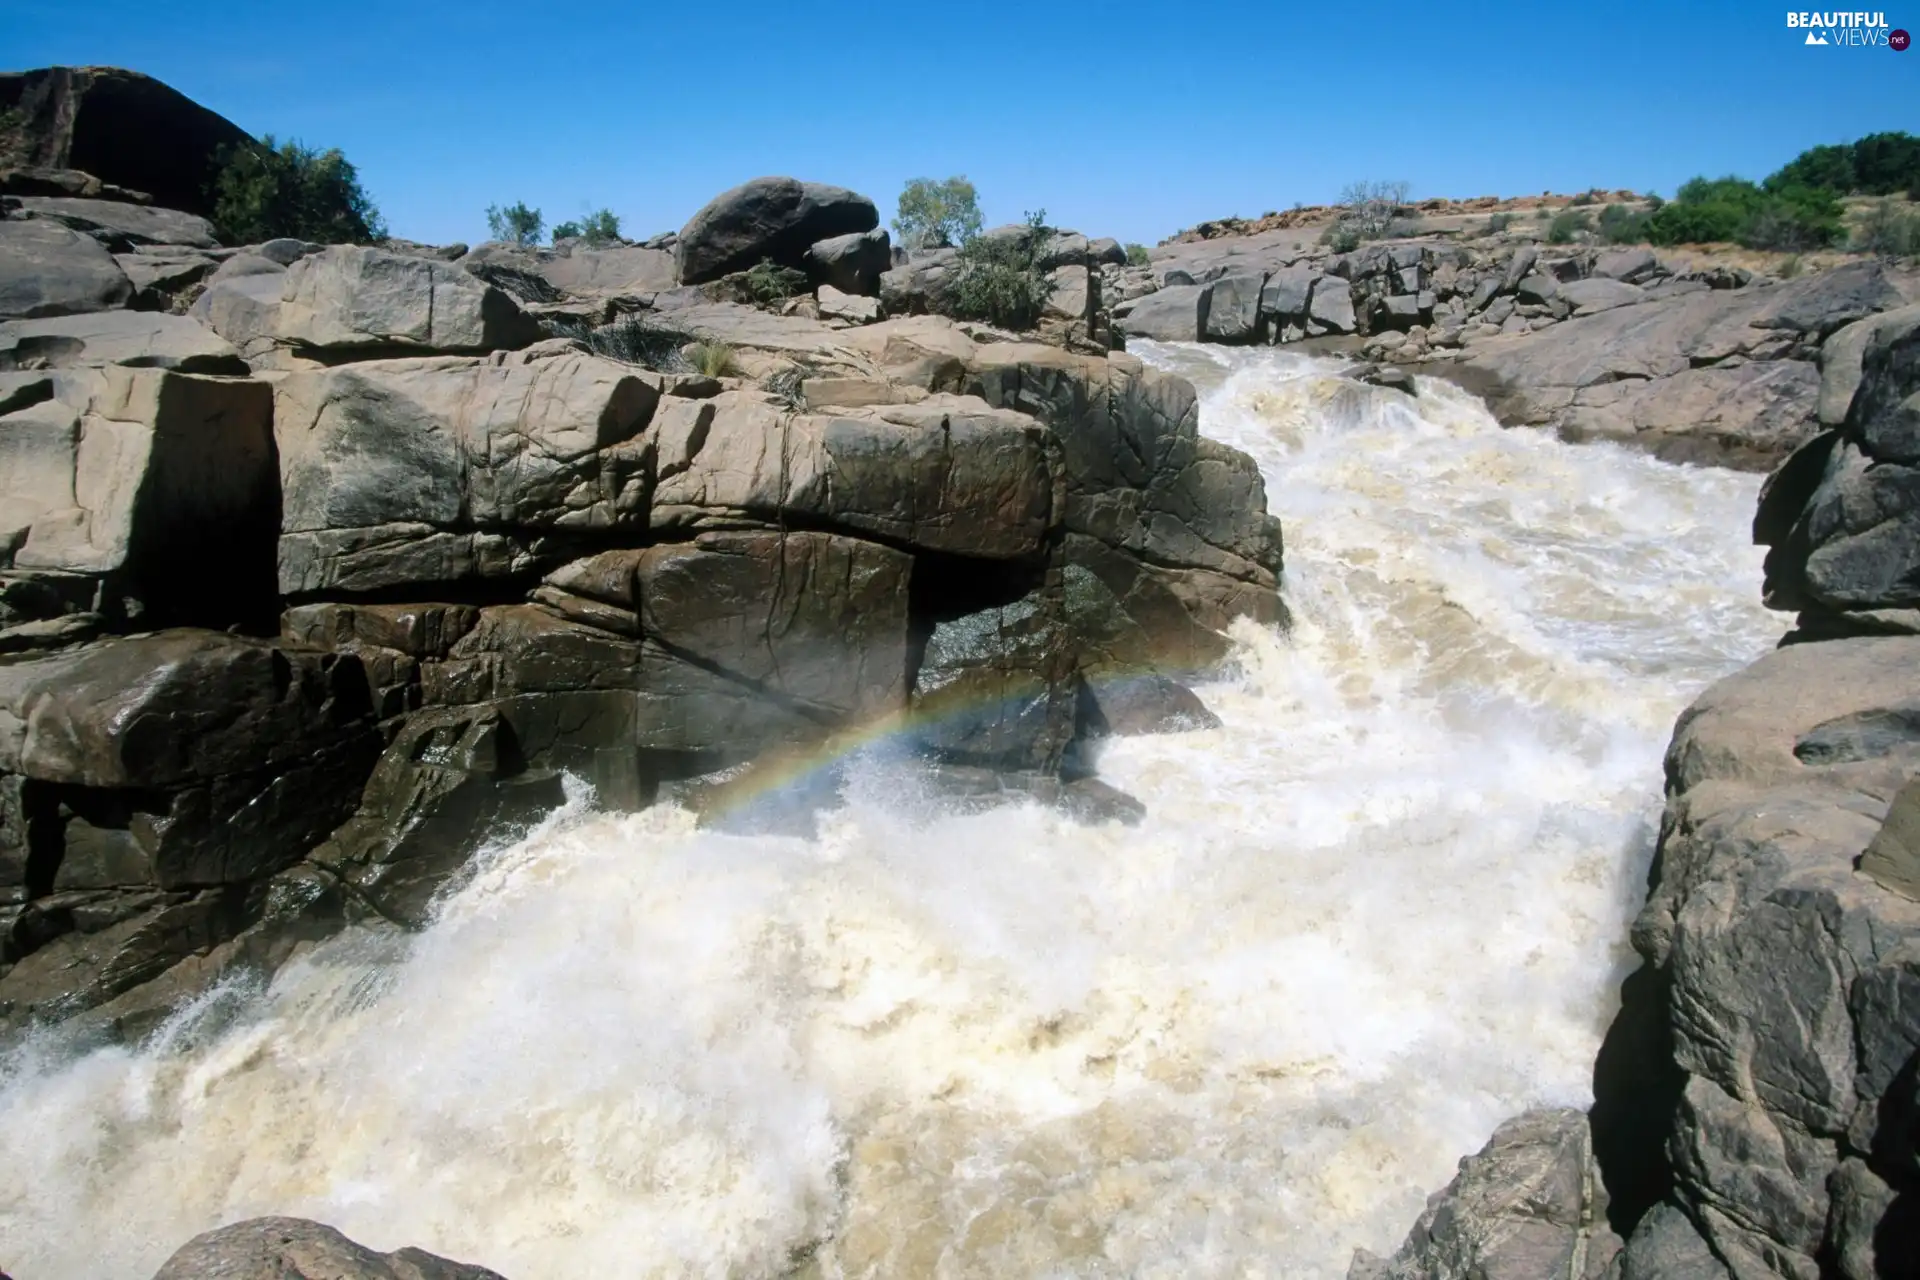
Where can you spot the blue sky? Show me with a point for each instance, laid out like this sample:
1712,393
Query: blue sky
1131,120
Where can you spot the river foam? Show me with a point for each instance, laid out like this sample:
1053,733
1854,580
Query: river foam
1380,909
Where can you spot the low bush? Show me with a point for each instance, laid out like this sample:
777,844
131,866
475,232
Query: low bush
267,190
770,284
999,279
1890,230
714,359
1499,222
1568,224
636,339
1137,255
1621,225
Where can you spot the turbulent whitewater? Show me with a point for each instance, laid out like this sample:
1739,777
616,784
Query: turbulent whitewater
1379,910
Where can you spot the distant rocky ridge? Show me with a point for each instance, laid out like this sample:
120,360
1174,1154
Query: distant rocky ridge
320,563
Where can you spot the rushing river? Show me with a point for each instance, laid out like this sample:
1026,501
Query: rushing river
1378,911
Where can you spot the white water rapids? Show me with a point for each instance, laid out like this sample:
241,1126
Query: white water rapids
1381,909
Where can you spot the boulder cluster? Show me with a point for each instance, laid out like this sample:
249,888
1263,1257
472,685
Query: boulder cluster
320,563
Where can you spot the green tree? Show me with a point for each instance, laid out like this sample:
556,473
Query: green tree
600,227
1880,164
937,213
999,277
268,189
515,224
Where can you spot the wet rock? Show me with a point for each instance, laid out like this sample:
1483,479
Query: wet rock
1528,1205
295,1249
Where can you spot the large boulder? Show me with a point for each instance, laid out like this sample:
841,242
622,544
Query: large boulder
156,486
120,126
1177,313
50,270
352,300
295,1249
441,470
775,219
852,263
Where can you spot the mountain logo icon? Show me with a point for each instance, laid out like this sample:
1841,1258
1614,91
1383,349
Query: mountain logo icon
1814,37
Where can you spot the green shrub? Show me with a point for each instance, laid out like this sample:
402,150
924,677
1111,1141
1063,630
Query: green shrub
1499,222
714,359
1341,238
1137,255
937,213
1621,225
1542,214
515,224
600,227
269,189
1891,230
1567,224
1587,197
1791,267
770,284
1711,211
999,278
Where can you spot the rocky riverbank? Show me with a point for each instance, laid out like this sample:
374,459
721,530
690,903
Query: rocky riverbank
1755,1109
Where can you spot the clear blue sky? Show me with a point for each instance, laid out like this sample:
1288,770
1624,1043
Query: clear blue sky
1123,119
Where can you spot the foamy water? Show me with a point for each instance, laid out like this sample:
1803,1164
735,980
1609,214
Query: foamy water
1381,909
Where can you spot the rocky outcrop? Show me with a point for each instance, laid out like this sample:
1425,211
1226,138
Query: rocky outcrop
308,591
121,127
295,1249
1776,1088
767,219
1529,1206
